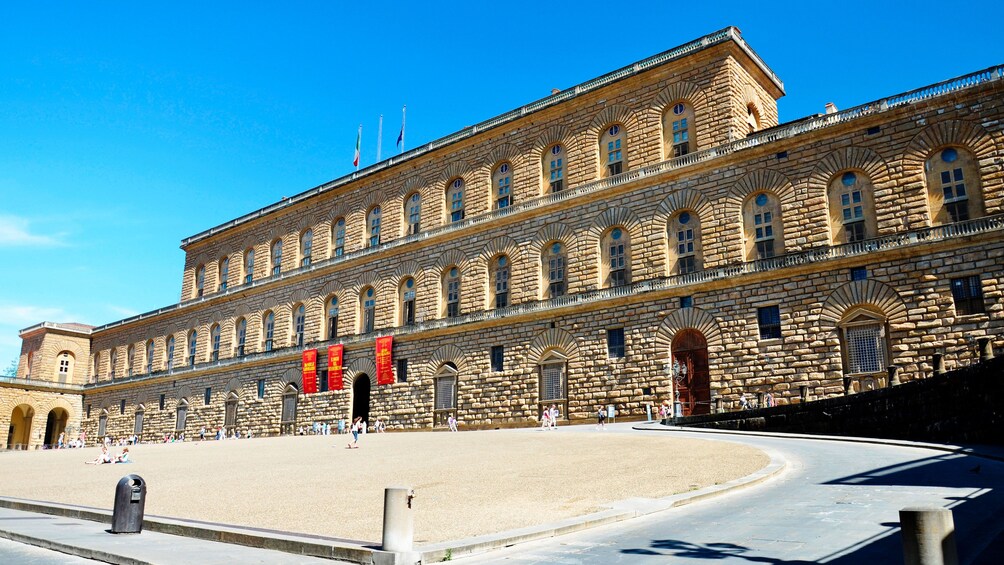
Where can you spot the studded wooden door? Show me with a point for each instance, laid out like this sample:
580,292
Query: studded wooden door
690,350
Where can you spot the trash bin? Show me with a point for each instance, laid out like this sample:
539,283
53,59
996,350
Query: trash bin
130,501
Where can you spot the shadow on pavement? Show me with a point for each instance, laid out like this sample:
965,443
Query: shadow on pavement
715,551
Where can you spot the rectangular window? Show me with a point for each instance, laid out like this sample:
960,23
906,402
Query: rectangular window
322,380
261,388
137,427
765,249
409,308
209,396
502,199
686,302
498,358
865,349
162,398
557,174
369,318
686,265
552,383
769,319
102,425
556,275
968,295
402,370
88,410
855,231
859,273
122,406
615,168
615,343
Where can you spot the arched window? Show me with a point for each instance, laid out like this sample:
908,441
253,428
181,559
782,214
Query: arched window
953,186
616,257
554,168
445,383
200,280
287,419
408,302
241,329
338,236
553,383
613,145
763,227
103,423
451,292
678,127
685,243
752,119
373,226
214,342
413,212
299,320
333,317
499,283
193,339
230,411
113,362
852,210
306,248
169,354
224,273
248,265
130,351
502,181
455,199
149,356
553,259
367,303
181,416
64,369
269,327
863,343
276,257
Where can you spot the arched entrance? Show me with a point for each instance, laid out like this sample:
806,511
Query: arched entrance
20,427
690,351
361,397
55,424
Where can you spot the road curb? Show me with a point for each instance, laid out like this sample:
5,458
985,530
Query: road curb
72,549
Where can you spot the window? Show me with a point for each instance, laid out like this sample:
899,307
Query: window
402,370
169,354
299,318
65,367
686,302
137,426
677,125
322,379
451,291
149,356
967,292
859,273
122,406
214,343
865,344
953,180
769,320
248,266
103,423
209,396
261,388
181,415
242,334
113,362
445,386
88,411
338,236
224,273
455,198
612,148
306,248
276,257
752,119
763,224
408,302
502,181
200,280
162,400
333,317
553,383
615,343
852,210
555,168
287,419
230,411
373,226
413,207
554,269
684,237
616,251
192,341
498,358
368,299
269,326
500,281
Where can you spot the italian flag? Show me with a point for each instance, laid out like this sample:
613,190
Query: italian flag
359,137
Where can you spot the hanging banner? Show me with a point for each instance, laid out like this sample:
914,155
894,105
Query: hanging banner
335,366
385,374
309,371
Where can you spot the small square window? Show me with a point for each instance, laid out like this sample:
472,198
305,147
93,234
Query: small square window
402,370
498,358
646,390
162,401
686,302
122,406
967,292
873,130
261,388
769,318
859,273
209,395
615,343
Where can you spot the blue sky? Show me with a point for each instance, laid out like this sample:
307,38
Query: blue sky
127,126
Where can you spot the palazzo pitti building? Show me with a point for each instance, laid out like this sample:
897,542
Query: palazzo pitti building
650,234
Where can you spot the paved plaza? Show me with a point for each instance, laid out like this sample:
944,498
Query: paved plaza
467,484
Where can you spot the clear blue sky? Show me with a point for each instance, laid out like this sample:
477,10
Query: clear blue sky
127,126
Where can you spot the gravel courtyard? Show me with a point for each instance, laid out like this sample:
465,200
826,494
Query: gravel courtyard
466,484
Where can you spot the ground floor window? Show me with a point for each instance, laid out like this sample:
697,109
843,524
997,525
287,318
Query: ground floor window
137,427
230,412
102,423
865,349
287,420
182,415
446,394
553,389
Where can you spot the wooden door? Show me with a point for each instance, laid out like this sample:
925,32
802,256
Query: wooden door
690,350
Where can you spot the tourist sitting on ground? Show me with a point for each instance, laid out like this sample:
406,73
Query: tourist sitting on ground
103,457
124,457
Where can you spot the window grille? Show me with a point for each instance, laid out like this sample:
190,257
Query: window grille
446,393
230,415
182,416
137,427
552,382
289,407
865,349
967,293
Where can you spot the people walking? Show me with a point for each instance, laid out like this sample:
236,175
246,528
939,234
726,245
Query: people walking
554,416
545,418
357,428
452,422
601,418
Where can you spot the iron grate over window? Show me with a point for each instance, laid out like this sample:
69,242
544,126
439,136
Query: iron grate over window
865,350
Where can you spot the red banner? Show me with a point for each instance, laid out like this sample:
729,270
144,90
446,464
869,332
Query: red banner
309,371
335,353
385,374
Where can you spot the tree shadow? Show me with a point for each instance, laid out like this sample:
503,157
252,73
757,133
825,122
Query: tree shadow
711,551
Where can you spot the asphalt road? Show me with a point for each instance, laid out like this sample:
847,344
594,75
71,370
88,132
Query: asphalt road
837,502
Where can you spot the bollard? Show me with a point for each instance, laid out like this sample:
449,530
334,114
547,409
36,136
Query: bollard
759,400
130,501
938,360
893,379
398,519
803,393
928,536
719,406
986,349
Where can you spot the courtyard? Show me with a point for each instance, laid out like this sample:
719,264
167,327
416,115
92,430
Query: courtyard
466,484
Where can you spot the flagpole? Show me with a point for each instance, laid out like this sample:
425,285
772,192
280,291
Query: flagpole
379,137
359,145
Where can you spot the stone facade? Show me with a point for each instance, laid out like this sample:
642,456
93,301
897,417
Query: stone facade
846,306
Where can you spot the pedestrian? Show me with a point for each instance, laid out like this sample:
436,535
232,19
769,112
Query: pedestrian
545,418
554,416
452,421
357,428
770,400
202,434
59,445
601,418
341,426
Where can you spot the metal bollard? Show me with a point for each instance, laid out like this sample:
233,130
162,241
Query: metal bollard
803,393
928,536
130,501
938,360
398,519
986,349
759,400
893,376
719,406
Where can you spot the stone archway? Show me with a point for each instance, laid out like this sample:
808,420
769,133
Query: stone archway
19,435
55,424
361,397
